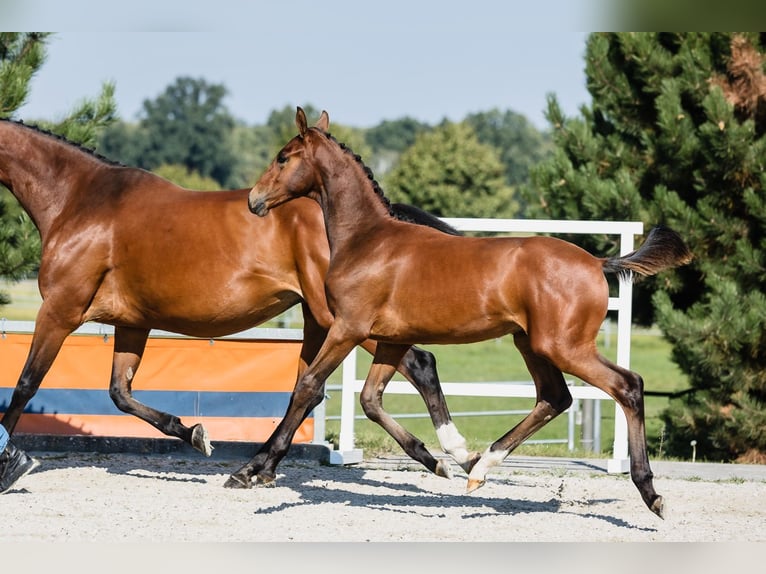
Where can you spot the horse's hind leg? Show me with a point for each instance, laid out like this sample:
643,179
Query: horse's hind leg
384,365
419,367
553,398
627,388
129,345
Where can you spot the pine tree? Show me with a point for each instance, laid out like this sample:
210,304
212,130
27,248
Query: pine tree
22,54
675,136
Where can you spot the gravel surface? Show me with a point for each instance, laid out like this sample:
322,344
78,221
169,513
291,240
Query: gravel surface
96,497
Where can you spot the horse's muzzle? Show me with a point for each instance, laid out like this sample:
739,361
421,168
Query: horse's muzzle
258,207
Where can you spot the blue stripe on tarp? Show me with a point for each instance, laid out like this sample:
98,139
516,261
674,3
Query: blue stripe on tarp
179,403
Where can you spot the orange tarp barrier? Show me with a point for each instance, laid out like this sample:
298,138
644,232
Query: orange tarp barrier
237,388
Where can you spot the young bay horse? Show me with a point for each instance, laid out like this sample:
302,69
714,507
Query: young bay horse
127,248
401,284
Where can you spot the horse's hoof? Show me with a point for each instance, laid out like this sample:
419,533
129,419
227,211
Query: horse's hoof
442,469
264,480
200,440
658,507
468,465
474,484
236,481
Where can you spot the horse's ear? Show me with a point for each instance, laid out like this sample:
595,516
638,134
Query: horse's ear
323,123
300,121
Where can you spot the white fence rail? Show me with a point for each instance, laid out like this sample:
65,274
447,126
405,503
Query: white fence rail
626,230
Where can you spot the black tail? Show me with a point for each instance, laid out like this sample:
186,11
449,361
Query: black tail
662,249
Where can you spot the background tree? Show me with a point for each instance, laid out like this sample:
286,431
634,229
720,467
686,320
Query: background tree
123,142
180,175
675,135
449,173
519,144
389,139
252,147
21,56
188,124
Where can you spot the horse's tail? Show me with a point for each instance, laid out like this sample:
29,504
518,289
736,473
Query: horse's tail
662,249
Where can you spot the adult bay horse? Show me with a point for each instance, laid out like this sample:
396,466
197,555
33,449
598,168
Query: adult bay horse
125,247
402,284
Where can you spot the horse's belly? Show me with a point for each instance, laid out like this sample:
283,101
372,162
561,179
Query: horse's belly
201,314
448,332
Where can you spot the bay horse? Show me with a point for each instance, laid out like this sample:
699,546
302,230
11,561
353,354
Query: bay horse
125,247
402,284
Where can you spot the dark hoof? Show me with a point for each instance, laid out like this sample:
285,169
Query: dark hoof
658,507
200,440
236,481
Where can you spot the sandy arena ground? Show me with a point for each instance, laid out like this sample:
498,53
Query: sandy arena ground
92,497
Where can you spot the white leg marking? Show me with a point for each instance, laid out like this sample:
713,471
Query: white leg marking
488,459
452,442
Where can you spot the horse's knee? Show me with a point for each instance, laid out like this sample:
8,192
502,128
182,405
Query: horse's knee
308,392
25,390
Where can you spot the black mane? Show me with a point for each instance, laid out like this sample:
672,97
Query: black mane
42,131
401,211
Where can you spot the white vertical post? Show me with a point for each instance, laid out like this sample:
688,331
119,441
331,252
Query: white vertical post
597,426
571,423
346,437
620,462
320,418
346,452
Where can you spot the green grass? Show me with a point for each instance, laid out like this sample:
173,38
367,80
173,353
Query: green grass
495,360
25,300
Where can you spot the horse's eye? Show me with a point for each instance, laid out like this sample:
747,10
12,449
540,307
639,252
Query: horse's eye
281,159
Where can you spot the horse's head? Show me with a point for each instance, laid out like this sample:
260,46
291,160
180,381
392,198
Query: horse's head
291,174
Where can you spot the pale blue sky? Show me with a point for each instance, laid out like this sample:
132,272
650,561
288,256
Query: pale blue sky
361,61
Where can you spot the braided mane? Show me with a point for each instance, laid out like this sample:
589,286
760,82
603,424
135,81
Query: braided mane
400,211
42,131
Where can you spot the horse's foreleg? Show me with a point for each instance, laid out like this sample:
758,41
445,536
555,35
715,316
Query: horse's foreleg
553,398
384,364
308,393
48,337
129,345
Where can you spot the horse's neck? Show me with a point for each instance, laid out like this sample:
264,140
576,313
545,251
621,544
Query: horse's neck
351,206
31,166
